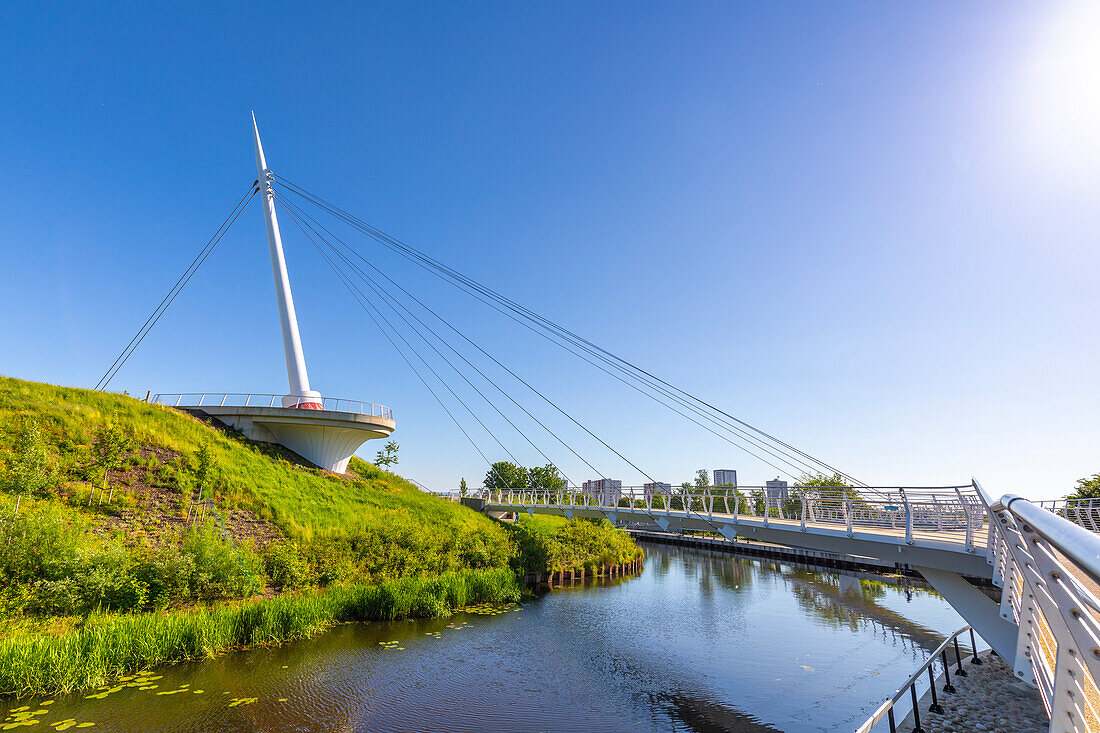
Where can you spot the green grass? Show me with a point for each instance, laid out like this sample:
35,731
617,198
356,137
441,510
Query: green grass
303,502
105,649
551,544
365,546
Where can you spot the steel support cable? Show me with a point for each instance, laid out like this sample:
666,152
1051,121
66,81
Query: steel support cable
364,305
543,322
781,458
459,280
797,465
386,298
394,304
180,284
566,414
362,302
686,503
441,339
415,353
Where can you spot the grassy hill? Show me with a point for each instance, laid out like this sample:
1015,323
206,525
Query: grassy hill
369,525
197,528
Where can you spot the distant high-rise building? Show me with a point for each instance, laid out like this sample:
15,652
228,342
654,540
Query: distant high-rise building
776,491
606,491
657,488
725,477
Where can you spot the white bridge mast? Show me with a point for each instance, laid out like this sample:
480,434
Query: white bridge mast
300,393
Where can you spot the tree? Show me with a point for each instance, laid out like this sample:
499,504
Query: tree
544,477
820,480
28,466
462,487
506,475
111,444
1087,488
205,468
387,456
702,479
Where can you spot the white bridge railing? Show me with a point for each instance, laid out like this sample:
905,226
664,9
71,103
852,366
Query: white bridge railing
954,512
239,399
1046,558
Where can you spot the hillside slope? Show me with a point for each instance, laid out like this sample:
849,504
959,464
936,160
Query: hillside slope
126,527
267,522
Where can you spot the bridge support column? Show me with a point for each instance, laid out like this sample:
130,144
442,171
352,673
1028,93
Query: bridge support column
982,613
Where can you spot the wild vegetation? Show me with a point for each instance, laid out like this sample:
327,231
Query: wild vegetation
113,508
549,544
105,648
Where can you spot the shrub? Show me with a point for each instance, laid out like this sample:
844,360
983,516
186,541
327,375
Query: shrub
285,566
42,542
222,569
167,575
28,469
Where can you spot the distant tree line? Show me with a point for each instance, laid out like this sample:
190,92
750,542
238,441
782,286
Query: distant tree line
508,475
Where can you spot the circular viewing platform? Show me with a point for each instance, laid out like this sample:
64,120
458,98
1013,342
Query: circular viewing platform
327,436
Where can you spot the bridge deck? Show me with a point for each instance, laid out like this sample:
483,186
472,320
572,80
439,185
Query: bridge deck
946,549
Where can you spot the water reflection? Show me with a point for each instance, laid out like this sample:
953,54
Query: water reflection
700,641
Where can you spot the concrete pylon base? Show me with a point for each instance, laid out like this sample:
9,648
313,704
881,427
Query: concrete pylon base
326,438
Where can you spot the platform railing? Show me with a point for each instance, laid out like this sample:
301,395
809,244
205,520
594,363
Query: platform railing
241,399
1049,570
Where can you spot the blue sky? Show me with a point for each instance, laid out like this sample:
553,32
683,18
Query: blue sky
868,228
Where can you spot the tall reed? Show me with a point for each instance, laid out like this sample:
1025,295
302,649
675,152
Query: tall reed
103,649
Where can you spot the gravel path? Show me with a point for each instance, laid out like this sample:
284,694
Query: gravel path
989,698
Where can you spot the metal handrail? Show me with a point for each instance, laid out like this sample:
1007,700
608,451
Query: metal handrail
1044,564
255,399
1078,544
952,513
886,710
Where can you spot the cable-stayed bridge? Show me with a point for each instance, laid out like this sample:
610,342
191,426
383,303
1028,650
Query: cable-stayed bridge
1046,559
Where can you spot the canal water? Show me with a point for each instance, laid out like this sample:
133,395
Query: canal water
699,641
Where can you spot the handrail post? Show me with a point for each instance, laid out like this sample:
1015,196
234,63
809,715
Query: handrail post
848,512
969,524
947,686
916,709
974,651
935,707
959,671
908,517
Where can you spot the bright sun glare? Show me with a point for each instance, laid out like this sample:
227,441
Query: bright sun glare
1061,87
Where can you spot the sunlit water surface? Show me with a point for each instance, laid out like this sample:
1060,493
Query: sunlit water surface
699,641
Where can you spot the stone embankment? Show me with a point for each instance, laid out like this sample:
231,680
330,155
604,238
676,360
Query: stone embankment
989,698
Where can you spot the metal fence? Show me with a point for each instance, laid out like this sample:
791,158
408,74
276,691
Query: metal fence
239,399
1049,570
952,512
942,655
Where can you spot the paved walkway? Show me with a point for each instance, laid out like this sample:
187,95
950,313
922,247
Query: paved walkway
989,698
